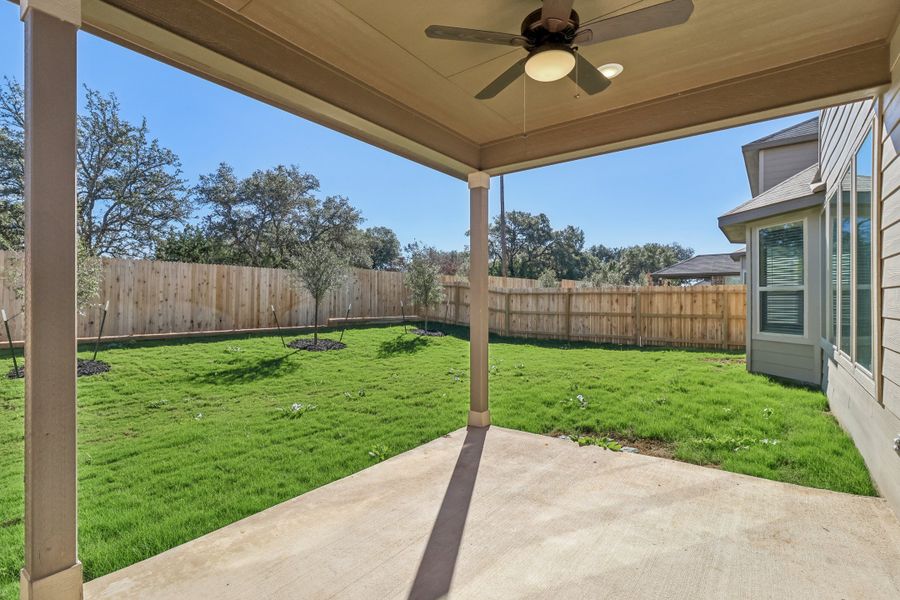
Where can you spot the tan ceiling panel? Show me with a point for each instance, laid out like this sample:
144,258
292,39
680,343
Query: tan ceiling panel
343,40
373,61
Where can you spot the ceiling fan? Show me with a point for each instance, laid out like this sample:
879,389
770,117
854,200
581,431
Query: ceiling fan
552,34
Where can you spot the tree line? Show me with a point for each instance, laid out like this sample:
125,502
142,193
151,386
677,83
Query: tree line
134,201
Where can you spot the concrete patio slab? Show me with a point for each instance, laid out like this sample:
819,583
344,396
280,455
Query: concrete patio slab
504,514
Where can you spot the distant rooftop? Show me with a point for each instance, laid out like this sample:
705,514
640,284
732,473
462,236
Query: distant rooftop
801,131
701,267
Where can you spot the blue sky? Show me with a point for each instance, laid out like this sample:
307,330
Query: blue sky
662,193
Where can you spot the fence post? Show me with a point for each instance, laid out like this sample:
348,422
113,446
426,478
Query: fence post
456,295
637,317
507,313
725,318
568,313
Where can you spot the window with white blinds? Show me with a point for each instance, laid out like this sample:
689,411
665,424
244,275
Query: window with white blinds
781,279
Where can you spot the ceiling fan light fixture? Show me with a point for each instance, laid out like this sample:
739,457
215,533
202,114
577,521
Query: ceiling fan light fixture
550,64
611,70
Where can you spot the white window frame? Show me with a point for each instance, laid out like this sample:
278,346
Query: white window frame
757,289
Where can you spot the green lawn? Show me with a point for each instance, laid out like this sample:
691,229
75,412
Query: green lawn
183,437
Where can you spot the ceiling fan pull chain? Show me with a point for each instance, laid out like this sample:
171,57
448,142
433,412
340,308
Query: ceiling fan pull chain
577,83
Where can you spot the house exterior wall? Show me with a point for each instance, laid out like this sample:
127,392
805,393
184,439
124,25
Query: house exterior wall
778,163
868,405
789,356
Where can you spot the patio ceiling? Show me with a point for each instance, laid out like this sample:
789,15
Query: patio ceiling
367,69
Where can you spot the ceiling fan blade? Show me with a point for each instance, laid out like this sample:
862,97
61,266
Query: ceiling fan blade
461,34
555,14
666,14
505,78
587,76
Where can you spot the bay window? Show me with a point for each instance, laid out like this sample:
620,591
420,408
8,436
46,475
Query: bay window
849,289
781,279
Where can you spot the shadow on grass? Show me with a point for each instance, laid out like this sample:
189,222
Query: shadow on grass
401,345
270,367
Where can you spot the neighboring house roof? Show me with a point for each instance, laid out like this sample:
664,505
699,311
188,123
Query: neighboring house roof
800,132
701,266
805,131
792,194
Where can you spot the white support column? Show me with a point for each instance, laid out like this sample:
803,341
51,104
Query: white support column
479,415
52,570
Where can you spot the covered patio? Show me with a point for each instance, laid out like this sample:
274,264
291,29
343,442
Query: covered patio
513,516
496,513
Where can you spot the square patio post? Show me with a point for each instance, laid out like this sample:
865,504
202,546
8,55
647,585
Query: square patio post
479,415
52,570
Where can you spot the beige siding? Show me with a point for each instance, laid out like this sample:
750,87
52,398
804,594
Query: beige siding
870,410
799,362
779,163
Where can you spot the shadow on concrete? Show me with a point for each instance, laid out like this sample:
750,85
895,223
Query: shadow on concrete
439,559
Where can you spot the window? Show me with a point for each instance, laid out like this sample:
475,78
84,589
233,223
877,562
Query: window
781,279
832,267
863,248
846,238
850,287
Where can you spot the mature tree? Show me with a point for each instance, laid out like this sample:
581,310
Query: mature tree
12,166
265,219
547,279
423,277
568,258
630,265
636,261
602,253
318,269
130,190
529,242
533,246
192,244
383,249
448,262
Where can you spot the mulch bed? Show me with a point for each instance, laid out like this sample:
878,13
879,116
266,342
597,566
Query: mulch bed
86,368
430,332
323,345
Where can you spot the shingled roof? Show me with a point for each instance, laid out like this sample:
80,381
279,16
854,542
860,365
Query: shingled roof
805,130
701,267
794,193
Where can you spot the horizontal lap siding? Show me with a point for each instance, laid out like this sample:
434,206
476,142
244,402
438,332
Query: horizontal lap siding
890,241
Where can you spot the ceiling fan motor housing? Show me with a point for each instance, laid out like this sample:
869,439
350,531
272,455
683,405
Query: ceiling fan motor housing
538,34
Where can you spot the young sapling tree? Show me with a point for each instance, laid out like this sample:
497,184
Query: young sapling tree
318,269
424,281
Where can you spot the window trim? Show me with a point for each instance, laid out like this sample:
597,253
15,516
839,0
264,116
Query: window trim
848,358
757,290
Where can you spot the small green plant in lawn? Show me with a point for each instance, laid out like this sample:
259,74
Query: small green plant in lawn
380,452
603,442
297,410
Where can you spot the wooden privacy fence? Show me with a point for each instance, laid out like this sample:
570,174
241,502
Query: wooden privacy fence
148,298
154,297
699,317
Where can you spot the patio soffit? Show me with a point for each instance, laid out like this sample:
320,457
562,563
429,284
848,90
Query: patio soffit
367,69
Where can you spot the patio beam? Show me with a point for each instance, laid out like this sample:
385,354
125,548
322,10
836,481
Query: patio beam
479,414
52,570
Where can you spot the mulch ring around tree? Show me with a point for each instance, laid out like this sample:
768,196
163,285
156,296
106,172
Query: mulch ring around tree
323,345
85,368
430,332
